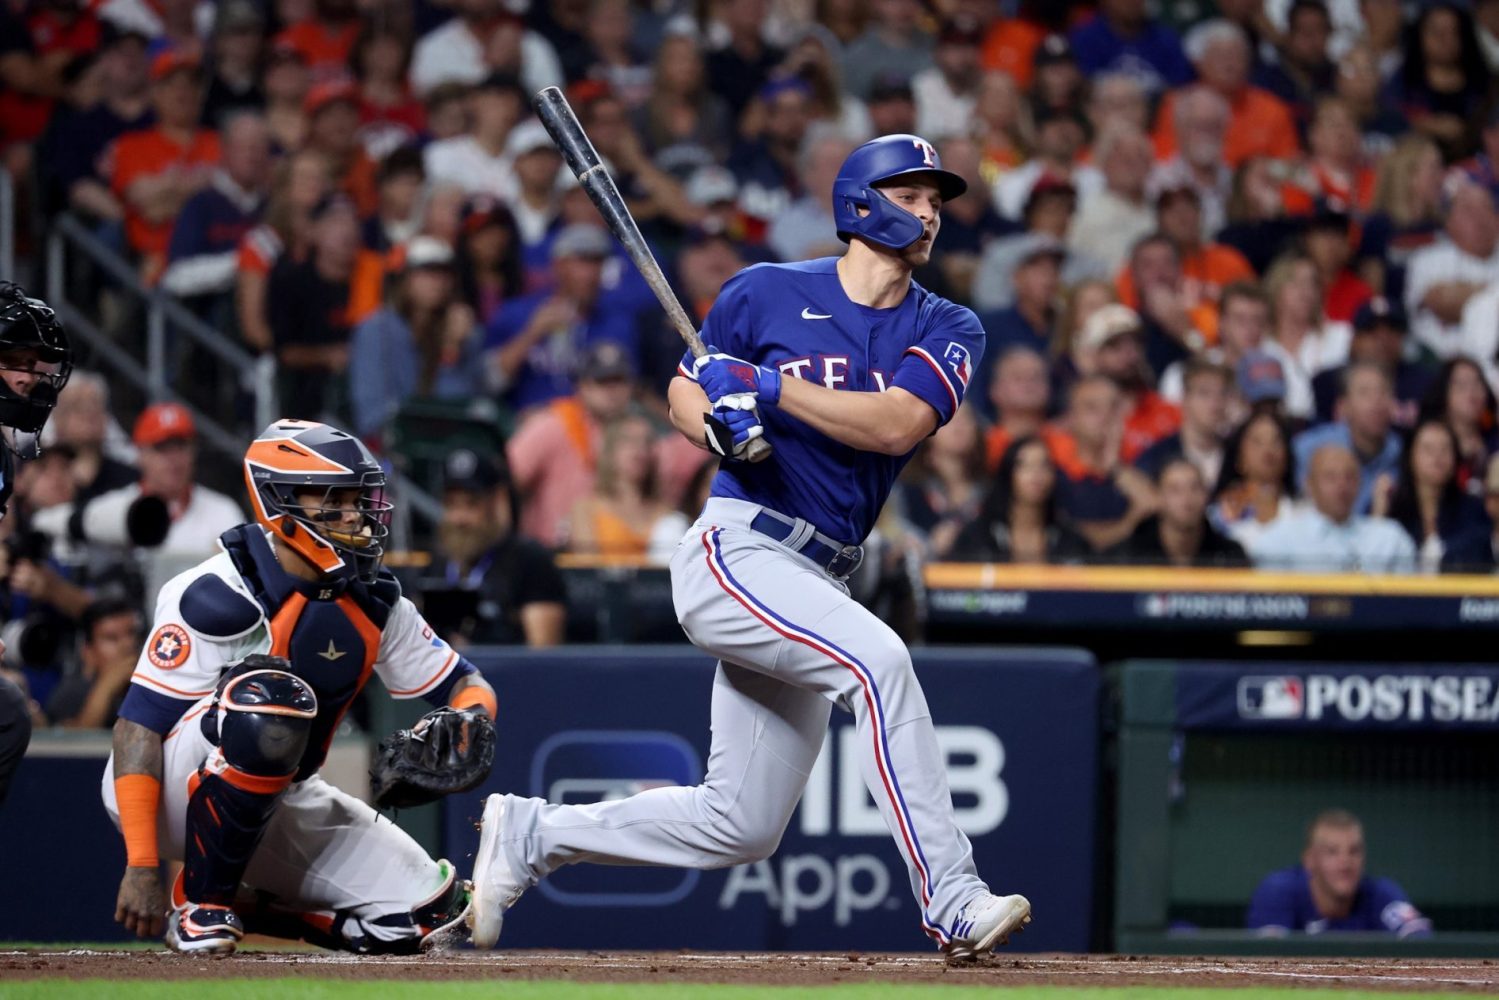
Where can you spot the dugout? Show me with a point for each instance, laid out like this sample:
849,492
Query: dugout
1220,766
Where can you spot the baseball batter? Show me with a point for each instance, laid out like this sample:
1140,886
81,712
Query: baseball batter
253,659
845,365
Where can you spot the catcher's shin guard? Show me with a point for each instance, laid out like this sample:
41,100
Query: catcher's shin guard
260,720
434,923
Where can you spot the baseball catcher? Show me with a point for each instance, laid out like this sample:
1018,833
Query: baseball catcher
253,659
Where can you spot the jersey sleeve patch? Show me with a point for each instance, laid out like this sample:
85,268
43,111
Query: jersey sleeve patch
169,647
212,608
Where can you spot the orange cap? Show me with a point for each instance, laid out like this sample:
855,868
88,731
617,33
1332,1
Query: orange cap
172,61
163,422
328,92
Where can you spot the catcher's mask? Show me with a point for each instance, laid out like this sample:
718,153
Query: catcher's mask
299,474
32,341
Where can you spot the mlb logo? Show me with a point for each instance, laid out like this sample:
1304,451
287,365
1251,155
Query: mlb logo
1271,698
957,358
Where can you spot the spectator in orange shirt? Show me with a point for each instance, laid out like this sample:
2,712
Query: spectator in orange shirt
155,171
1327,243
1011,43
333,129
1200,122
1020,393
1205,267
1336,170
1117,336
1260,124
325,40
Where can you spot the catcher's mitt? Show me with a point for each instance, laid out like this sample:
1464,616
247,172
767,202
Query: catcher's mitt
447,751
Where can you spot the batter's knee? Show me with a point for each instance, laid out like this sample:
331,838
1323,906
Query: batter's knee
263,721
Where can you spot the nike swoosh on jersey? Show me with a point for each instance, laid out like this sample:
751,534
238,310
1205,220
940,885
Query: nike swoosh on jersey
807,313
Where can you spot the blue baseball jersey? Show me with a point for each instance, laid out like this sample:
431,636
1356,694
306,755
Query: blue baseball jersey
797,318
1284,900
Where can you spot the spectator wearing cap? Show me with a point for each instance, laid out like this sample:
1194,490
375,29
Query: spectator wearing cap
805,228
1254,121
1104,496
488,259
399,183
1123,37
738,69
1304,341
1304,70
1477,551
534,345
1326,241
423,344
1180,533
1457,272
1115,336
768,167
491,586
1109,221
68,159
1036,282
333,129
554,451
484,37
714,191
1261,382
167,441
893,42
286,82
155,171
390,115
1331,536
891,105
235,49
946,90
537,166
1207,390
1365,426
326,39
309,306
203,254
1199,122
969,223
1336,172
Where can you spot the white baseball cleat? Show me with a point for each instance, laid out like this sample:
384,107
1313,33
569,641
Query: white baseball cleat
204,930
986,922
495,886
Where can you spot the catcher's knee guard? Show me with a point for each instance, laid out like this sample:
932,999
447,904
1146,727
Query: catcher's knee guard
433,923
259,720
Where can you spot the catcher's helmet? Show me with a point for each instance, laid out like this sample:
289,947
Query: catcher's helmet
876,162
296,456
28,326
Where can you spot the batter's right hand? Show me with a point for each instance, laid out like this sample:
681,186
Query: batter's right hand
142,905
729,431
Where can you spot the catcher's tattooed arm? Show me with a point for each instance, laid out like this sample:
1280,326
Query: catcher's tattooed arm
470,690
142,903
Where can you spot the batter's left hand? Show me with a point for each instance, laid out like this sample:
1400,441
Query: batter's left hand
726,378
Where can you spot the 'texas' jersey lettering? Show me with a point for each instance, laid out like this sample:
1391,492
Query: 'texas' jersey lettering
797,319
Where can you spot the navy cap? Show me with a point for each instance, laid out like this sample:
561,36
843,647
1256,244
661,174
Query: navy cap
1380,311
472,471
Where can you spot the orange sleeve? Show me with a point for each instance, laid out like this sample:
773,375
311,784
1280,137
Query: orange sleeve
121,164
477,694
1164,135
1284,143
137,797
1124,285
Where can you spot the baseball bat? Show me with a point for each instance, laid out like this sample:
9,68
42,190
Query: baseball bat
583,160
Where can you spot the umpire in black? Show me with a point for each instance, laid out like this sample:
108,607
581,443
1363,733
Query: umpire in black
35,361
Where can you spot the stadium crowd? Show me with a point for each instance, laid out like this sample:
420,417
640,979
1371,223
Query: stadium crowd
1238,264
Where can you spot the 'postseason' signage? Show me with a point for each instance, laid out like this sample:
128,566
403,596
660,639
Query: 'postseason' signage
1280,696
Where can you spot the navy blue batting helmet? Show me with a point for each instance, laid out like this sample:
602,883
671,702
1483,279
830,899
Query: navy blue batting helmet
876,162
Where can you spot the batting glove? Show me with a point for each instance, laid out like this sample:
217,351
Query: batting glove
723,376
729,431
